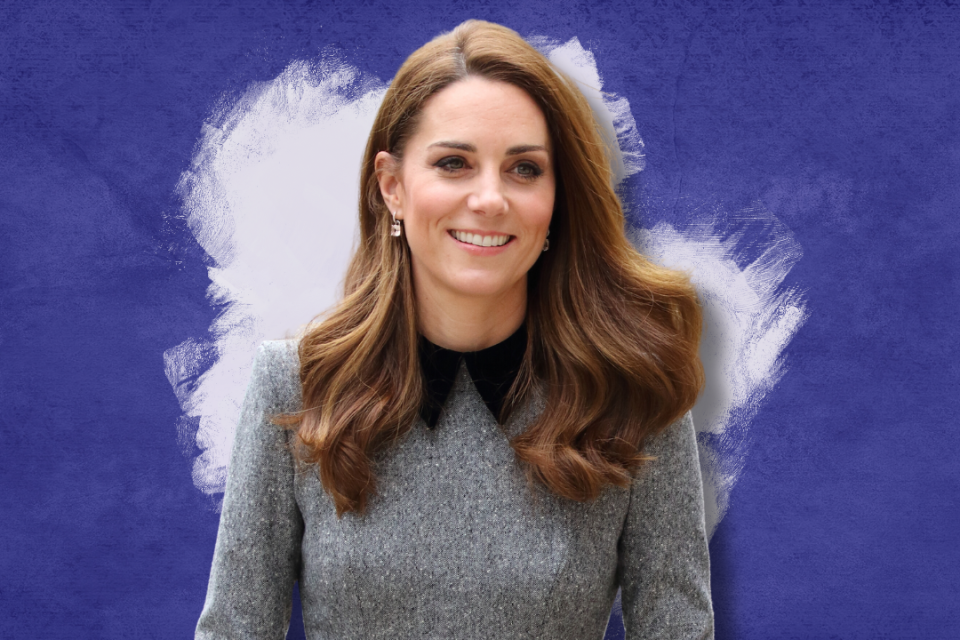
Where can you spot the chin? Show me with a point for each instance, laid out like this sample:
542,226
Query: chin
485,288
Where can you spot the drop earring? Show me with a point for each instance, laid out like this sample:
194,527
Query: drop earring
395,227
546,242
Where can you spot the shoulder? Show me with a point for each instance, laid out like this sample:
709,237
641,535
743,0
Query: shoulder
677,439
670,479
276,375
279,352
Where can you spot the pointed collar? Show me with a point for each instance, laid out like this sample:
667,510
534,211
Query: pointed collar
493,371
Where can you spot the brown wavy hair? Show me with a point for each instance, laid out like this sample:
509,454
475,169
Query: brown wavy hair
612,338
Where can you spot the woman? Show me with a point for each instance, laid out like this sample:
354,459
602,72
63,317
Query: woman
490,434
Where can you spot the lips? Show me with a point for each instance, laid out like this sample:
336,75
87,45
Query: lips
481,240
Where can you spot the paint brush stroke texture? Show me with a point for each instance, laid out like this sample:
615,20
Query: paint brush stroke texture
271,197
749,318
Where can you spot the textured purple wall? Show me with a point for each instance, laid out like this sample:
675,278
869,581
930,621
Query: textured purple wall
840,118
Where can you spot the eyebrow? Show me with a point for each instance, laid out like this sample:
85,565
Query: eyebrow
469,148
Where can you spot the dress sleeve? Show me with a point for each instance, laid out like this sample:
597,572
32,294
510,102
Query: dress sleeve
257,556
664,561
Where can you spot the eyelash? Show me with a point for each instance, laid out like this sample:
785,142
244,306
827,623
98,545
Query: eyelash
535,171
444,164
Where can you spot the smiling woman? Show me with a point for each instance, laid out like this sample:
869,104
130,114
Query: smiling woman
490,434
475,191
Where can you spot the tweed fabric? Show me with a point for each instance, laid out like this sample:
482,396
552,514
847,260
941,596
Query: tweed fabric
455,544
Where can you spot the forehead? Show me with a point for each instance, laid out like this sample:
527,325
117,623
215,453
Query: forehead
493,111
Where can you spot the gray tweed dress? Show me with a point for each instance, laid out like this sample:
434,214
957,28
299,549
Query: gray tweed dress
455,544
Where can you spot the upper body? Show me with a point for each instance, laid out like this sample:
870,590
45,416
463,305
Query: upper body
456,544
518,515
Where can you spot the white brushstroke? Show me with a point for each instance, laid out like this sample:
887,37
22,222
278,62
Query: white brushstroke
749,318
614,118
271,196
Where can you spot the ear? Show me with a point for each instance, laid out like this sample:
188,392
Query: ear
388,176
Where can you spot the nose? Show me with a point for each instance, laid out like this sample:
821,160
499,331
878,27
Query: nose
487,196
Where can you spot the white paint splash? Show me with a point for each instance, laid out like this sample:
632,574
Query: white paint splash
613,115
271,196
749,318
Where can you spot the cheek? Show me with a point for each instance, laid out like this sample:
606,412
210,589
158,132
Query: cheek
425,207
539,209
429,203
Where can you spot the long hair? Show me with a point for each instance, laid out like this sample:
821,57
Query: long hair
612,338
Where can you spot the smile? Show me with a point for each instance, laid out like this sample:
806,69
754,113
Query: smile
479,240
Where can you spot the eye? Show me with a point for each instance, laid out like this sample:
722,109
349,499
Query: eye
451,164
528,170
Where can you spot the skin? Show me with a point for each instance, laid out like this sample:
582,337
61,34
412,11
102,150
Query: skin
481,161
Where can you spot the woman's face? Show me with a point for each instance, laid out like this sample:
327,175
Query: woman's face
475,191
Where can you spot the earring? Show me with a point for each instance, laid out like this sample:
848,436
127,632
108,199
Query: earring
395,227
546,242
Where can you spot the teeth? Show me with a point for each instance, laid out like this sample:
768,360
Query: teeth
479,240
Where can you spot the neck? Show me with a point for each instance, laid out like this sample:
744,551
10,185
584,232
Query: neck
468,323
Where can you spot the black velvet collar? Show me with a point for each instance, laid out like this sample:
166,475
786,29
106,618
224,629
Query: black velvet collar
493,371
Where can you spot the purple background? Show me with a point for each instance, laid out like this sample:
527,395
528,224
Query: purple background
840,118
